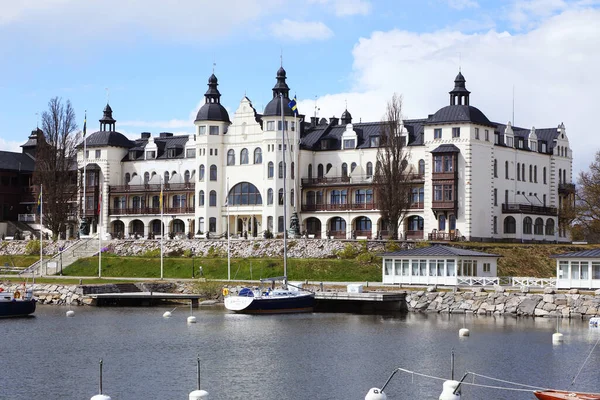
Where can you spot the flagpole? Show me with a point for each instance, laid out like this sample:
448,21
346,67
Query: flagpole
41,230
162,227
100,234
84,162
228,235
284,194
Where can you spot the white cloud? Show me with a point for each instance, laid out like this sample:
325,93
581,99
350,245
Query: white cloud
296,30
10,145
343,8
462,4
170,124
526,14
553,69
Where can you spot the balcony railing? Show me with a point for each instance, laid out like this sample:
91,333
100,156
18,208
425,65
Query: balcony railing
518,208
443,205
150,210
337,234
27,217
413,235
445,236
339,207
416,206
362,234
168,187
566,188
359,179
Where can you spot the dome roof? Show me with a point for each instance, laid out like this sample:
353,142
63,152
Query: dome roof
274,107
213,79
281,73
107,138
212,112
459,113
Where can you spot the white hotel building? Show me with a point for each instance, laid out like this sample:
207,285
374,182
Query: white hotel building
474,179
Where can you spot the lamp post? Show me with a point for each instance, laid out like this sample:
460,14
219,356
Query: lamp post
60,249
193,275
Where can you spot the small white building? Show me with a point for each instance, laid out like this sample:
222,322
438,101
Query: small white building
579,269
437,265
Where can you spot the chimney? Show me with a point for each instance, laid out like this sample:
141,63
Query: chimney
146,135
334,121
314,121
165,134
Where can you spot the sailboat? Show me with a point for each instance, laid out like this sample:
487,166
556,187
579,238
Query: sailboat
273,301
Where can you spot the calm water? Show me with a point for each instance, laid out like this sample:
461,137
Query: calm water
315,356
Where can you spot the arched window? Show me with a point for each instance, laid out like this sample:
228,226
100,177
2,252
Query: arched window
338,196
518,171
328,168
127,178
212,198
179,200
280,202
213,172
201,173
352,167
244,157
415,223
530,173
292,197
369,169
270,170
212,224
421,167
319,197
564,176
231,157
166,176
269,197
337,224
292,173
344,170
244,194
258,155
201,198
510,225
309,171
186,176
550,227
146,178
535,173
538,228
362,224
523,178
280,169
527,225
320,171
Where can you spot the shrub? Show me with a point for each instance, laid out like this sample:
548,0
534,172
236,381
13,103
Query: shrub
33,247
268,234
420,245
187,253
391,245
209,289
348,252
175,253
214,252
365,258
291,244
152,253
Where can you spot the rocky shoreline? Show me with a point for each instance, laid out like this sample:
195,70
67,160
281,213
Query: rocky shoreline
499,302
549,304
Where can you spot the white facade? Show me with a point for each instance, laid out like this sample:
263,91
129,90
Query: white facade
580,270
474,179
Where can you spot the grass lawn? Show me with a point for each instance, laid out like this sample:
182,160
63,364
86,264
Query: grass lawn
18,261
216,268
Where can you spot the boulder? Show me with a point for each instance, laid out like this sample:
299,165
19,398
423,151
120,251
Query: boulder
573,291
549,290
524,289
528,306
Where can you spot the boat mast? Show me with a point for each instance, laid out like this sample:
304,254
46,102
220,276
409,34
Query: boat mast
284,194
228,242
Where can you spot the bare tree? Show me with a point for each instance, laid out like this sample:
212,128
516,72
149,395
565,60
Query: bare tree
393,177
587,205
55,166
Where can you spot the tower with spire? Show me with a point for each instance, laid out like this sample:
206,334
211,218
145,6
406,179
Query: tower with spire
108,123
459,95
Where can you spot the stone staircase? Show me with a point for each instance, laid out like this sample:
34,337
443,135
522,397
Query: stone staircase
51,266
127,288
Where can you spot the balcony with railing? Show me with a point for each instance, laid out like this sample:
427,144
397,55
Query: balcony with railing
167,187
444,205
566,188
150,211
443,236
518,208
352,180
340,206
413,235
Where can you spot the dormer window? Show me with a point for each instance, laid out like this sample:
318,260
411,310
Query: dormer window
374,141
190,153
171,153
214,130
132,155
349,144
509,141
150,155
544,148
325,145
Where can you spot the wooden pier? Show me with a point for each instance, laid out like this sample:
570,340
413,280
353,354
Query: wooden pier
366,302
142,299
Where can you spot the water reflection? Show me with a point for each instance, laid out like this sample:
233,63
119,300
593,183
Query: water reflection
304,356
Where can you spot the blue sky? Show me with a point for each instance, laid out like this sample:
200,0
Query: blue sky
155,59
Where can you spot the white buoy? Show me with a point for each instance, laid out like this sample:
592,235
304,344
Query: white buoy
448,391
101,397
374,394
198,394
70,313
167,314
557,338
191,319
463,332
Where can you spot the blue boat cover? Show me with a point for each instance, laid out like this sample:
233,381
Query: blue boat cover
246,292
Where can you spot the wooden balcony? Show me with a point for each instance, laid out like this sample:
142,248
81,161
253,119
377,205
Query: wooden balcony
444,205
168,187
416,206
339,207
337,234
150,211
352,180
413,235
361,234
518,208
443,236
446,176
